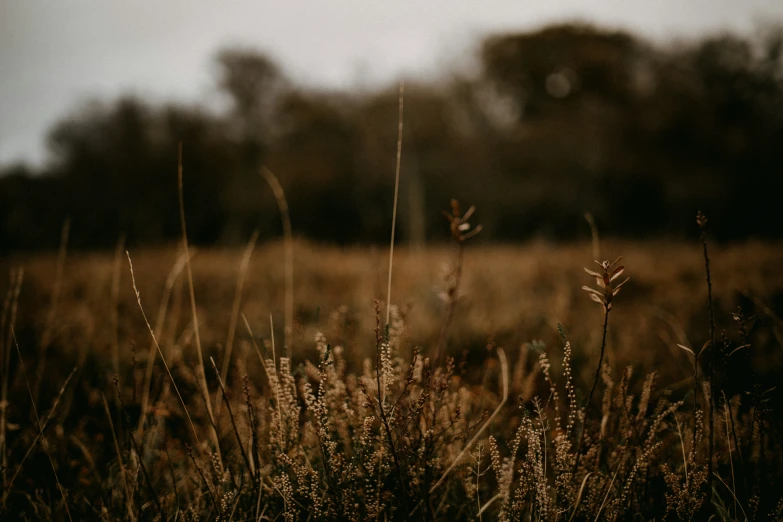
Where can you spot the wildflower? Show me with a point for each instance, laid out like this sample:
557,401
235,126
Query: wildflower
605,280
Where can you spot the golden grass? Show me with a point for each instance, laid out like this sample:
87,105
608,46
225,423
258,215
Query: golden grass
510,293
331,434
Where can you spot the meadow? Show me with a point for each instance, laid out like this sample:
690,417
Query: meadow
472,401
476,376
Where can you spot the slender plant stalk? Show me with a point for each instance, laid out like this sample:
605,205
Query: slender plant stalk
115,298
592,390
452,304
152,354
41,430
38,436
738,447
696,385
504,371
288,245
231,416
278,402
202,373
396,193
232,326
381,399
128,495
9,320
48,332
160,352
173,476
596,243
203,478
702,222
136,449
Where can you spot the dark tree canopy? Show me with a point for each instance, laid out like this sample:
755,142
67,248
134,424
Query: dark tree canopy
555,123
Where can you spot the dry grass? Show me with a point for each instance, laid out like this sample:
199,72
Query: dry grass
361,424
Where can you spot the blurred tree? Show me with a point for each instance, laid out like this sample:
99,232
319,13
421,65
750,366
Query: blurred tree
254,85
554,123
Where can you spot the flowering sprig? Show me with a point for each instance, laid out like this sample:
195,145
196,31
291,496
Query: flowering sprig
459,226
605,279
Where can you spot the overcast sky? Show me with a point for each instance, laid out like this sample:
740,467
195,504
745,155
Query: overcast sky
55,55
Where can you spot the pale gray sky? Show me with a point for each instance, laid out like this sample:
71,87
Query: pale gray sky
55,55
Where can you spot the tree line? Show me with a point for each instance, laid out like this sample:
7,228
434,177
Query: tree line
553,123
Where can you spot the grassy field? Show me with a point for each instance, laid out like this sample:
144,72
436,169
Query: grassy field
323,435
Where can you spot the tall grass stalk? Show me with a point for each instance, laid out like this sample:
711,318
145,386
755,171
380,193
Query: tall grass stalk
42,429
608,290
202,375
276,389
383,415
48,331
504,374
44,442
6,330
115,298
288,246
136,449
460,233
596,243
396,194
592,390
232,325
231,416
152,352
125,488
701,220
160,352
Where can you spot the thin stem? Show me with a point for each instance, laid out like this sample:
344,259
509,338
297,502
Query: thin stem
592,389
384,419
7,325
504,368
41,428
115,317
712,368
162,308
232,325
231,416
128,495
160,352
695,388
396,192
288,245
203,379
48,332
136,449
38,436
453,296
189,451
